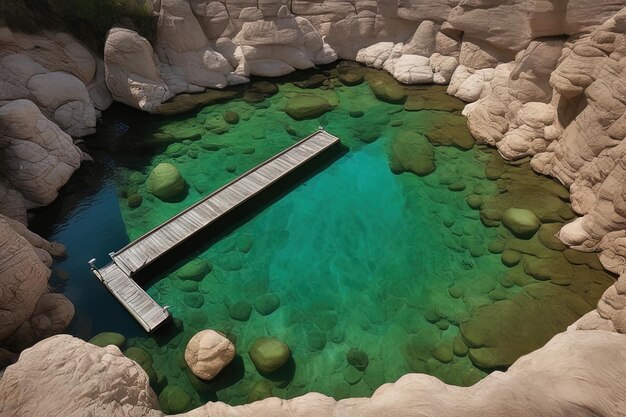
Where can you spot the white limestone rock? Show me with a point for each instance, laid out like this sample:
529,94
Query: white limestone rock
413,69
131,71
207,353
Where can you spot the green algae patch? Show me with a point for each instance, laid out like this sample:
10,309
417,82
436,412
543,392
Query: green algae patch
411,152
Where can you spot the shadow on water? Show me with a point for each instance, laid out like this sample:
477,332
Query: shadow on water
234,219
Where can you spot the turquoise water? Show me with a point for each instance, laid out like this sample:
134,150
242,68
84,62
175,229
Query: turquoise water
359,257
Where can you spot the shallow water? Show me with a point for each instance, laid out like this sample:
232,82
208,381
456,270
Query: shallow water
359,257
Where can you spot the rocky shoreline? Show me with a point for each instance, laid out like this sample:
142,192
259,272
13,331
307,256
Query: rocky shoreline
545,84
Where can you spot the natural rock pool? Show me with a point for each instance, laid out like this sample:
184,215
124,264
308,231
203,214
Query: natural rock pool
366,270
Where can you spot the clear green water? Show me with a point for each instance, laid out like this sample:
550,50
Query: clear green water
359,257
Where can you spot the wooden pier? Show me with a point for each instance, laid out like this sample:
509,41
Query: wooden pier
143,251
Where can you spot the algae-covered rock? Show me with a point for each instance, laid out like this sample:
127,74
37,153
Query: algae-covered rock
449,129
358,359
108,338
432,98
240,311
522,223
500,333
231,117
267,304
194,270
268,354
350,74
174,400
260,391
352,375
388,91
443,352
144,359
166,183
314,81
193,300
459,347
306,106
134,200
510,258
411,152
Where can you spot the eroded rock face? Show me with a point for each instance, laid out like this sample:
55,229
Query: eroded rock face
79,379
28,311
57,73
37,157
562,103
132,75
569,378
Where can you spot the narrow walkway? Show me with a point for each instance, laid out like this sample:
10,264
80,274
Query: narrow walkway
151,246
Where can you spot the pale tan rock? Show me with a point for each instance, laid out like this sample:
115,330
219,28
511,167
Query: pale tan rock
37,156
79,379
413,69
131,70
423,40
570,377
207,353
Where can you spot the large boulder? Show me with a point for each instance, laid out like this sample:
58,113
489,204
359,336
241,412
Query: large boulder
46,382
522,223
166,183
268,354
207,353
37,157
28,311
132,74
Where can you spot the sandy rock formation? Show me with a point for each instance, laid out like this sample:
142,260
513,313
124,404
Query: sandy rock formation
29,312
79,379
207,353
37,157
576,374
563,104
58,74
131,71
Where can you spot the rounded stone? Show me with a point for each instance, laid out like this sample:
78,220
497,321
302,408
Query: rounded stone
459,347
510,258
442,352
457,186
194,270
358,359
108,338
207,353
174,400
522,223
134,200
268,354
306,106
231,117
240,311
166,183
352,375
260,391
267,304
474,201
356,113
193,300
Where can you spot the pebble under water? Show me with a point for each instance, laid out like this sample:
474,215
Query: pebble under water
405,270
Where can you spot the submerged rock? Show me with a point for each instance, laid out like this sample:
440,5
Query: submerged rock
174,400
306,106
108,338
166,183
260,391
267,304
194,270
207,353
522,223
358,359
268,354
389,91
240,311
411,152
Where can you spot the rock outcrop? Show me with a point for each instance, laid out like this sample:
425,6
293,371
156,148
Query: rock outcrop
29,311
577,373
207,353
